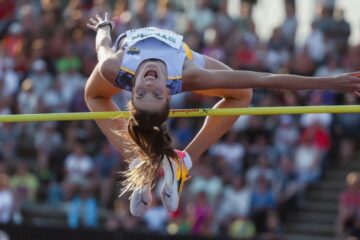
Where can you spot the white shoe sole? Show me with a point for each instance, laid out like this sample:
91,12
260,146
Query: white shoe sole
140,199
169,191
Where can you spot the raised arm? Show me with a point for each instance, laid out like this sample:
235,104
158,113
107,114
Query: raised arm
98,97
102,27
202,79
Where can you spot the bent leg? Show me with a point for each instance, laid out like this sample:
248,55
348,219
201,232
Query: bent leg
215,127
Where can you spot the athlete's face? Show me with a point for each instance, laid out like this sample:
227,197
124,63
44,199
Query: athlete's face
150,91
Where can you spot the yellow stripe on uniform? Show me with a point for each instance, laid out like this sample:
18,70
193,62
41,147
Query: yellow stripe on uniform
127,70
174,78
188,51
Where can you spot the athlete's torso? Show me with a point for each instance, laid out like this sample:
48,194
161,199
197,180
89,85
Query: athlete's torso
152,43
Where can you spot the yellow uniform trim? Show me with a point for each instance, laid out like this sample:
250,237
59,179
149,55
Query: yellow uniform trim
174,78
127,70
188,51
181,175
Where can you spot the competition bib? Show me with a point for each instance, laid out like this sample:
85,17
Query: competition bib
166,36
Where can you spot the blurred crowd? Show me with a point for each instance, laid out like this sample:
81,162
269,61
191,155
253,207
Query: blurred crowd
244,186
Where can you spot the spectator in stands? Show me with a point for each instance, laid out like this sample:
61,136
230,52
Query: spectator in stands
120,217
347,130
302,63
105,164
245,21
242,229
183,133
83,208
7,14
231,151
69,77
5,100
9,77
40,76
330,67
274,229
139,16
212,47
348,125
286,135
13,41
164,17
316,45
201,215
287,185
235,202
8,141
290,23
263,200
349,202
156,217
277,53
262,169
47,140
307,160
6,199
224,24
52,100
27,100
25,185
78,168
202,17
206,181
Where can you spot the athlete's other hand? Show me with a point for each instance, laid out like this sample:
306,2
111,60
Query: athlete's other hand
99,22
349,82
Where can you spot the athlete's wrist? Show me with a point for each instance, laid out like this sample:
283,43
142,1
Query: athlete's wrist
106,25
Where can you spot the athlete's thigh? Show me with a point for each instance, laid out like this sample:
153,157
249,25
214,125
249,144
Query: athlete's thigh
211,63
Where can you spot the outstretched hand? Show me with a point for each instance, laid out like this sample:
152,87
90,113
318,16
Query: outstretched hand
99,22
349,82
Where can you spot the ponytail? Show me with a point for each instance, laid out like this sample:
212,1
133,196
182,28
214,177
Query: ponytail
148,141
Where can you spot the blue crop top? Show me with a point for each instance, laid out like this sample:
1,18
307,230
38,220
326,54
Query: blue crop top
153,43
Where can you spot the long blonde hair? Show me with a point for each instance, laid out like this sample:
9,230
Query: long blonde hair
148,142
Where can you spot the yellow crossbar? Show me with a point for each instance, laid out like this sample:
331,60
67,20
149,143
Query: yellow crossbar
198,112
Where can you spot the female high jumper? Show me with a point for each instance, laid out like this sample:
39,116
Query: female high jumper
155,64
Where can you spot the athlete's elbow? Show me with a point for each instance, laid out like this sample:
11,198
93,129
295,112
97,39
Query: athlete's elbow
243,96
88,94
247,96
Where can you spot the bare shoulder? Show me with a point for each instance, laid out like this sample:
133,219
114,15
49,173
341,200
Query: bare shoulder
193,77
190,76
109,67
200,78
211,63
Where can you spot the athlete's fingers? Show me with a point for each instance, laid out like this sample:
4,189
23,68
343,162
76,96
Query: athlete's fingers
107,16
91,26
98,17
93,21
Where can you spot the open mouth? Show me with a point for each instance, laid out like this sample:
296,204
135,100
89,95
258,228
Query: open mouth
151,73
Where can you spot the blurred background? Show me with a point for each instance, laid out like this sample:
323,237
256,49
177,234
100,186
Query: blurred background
274,177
